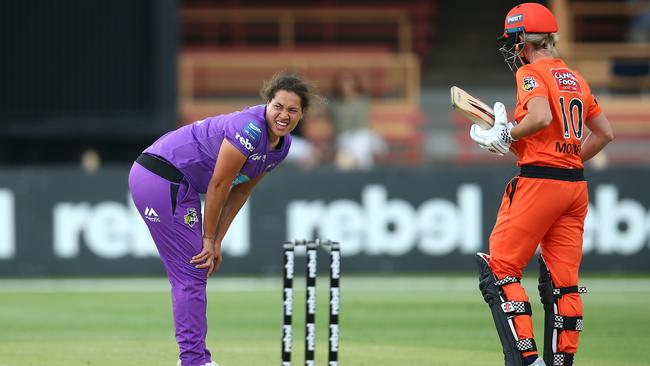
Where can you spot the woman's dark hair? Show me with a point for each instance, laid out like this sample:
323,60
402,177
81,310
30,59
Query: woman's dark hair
290,82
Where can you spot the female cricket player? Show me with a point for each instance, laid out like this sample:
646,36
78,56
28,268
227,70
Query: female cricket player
225,157
546,203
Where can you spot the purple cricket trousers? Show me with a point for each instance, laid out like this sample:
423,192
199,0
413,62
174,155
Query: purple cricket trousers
171,208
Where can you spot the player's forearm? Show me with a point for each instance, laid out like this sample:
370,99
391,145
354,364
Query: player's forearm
215,200
538,117
530,124
238,196
234,203
593,145
601,133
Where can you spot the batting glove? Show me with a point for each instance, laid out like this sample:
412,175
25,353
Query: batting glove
498,138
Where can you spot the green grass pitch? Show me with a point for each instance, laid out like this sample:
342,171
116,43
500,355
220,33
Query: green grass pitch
410,320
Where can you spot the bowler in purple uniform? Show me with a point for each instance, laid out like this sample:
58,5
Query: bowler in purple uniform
225,157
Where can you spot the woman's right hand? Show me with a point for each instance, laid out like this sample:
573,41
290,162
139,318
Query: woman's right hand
217,259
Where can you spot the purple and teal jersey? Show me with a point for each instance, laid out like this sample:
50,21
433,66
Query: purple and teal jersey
193,149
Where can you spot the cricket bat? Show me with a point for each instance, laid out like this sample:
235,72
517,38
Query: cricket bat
472,107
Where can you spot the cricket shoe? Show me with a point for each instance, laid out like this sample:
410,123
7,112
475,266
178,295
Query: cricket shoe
538,362
207,364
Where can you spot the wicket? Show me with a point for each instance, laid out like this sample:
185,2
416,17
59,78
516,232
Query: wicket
311,254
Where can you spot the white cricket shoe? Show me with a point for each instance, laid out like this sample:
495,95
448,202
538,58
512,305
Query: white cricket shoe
207,364
538,362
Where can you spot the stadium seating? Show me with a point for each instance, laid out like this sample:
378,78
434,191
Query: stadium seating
401,26
630,119
228,49
215,78
594,39
212,85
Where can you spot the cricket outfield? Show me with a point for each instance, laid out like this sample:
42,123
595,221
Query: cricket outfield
406,320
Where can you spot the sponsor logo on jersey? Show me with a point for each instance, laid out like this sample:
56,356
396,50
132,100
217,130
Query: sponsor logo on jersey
529,83
566,80
191,217
239,179
253,132
257,157
151,215
515,18
244,142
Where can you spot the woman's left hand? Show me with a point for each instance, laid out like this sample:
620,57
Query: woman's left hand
209,257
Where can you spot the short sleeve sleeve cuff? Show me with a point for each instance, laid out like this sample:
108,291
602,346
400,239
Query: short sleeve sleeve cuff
529,85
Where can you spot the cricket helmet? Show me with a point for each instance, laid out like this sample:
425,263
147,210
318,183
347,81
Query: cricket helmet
524,18
529,18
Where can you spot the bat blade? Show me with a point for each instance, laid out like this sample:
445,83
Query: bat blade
472,108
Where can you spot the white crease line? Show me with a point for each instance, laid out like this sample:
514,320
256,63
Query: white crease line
357,284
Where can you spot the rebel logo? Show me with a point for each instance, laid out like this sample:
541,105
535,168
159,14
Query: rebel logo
244,142
566,81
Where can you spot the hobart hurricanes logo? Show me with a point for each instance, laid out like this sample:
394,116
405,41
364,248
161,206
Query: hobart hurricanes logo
191,217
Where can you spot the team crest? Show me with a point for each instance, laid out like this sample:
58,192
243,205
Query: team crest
529,83
191,218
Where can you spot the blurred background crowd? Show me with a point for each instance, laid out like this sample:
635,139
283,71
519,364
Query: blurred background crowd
96,82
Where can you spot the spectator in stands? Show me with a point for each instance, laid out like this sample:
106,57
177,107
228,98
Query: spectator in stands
349,110
311,140
225,157
90,161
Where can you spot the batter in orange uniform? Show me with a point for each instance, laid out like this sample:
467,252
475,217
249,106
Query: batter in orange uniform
546,204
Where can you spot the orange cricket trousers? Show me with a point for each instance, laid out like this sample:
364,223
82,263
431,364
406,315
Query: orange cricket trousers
551,213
